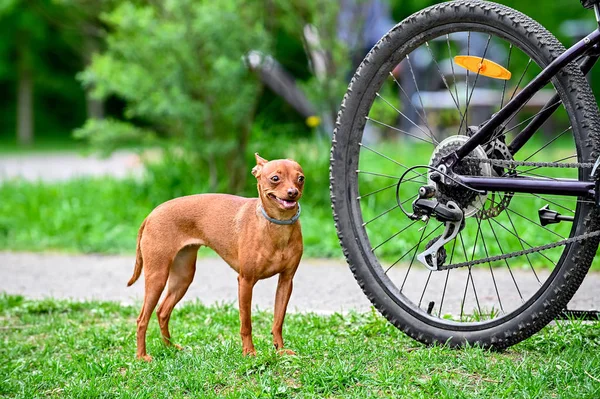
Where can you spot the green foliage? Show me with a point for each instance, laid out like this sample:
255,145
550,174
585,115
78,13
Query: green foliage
325,88
86,350
179,67
57,31
107,135
40,39
103,215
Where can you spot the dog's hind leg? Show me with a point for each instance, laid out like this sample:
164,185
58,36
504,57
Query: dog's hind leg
181,275
156,271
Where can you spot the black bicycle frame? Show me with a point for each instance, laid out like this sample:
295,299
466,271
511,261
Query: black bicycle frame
565,187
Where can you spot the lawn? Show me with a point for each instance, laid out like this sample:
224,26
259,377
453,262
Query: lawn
103,215
42,143
53,348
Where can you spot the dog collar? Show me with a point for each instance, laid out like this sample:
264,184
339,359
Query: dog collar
293,220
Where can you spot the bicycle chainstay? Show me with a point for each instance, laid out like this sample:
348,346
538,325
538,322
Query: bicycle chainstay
511,163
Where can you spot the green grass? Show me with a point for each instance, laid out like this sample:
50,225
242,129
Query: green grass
48,143
103,215
53,348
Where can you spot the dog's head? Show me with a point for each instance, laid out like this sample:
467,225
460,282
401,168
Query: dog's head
280,182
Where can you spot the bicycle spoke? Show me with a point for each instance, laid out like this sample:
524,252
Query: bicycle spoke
520,79
535,223
444,78
446,281
553,203
376,191
425,288
410,250
506,261
506,81
419,95
502,132
521,240
487,255
380,215
530,118
414,256
401,131
407,118
390,159
453,73
466,114
558,197
378,174
471,268
548,143
474,85
527,173
411,103
469,277
514,115
394,235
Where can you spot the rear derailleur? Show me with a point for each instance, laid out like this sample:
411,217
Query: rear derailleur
450,214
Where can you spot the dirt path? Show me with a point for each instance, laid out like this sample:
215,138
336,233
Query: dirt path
322,286
57,166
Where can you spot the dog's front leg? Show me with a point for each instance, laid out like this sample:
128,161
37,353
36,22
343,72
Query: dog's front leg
245,286
282,297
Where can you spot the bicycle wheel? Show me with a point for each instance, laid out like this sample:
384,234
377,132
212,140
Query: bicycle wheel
410,103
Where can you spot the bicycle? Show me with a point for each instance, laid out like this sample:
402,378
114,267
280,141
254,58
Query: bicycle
425,214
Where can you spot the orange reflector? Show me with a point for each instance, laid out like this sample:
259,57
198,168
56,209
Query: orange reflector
482,66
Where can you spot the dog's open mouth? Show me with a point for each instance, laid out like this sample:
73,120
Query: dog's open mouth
286,204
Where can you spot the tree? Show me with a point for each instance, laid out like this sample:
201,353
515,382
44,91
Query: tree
179,67
27,27
44,43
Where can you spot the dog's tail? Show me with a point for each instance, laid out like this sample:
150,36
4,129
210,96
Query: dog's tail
137,270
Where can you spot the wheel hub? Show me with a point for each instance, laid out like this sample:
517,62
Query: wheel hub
470,201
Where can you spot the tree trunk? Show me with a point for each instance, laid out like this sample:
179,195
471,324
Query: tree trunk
24,92
91,46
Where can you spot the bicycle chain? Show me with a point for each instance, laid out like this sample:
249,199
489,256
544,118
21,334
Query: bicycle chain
523,252
510,163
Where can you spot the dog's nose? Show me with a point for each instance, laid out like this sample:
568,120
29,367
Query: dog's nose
292,192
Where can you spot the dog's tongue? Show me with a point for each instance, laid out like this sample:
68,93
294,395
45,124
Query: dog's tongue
288,204
285,203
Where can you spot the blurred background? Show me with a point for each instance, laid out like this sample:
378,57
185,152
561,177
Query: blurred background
110,107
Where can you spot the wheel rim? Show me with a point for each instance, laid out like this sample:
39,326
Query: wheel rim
380,219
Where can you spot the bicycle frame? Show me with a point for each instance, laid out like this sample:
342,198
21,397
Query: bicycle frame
567,187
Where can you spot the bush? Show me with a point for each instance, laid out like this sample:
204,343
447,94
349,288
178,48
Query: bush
178,65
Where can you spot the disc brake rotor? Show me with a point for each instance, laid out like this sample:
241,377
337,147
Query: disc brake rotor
498,150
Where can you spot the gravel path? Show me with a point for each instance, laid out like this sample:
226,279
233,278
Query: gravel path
58,166
322,286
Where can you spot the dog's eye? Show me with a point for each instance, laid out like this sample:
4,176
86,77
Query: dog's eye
301,179
275,178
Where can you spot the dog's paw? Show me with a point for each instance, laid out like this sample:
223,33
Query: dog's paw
283,352
249,352
178,347
146,358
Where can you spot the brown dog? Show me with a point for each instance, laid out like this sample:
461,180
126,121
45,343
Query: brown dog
257,237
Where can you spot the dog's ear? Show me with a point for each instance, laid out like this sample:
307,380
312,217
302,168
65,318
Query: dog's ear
260,161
